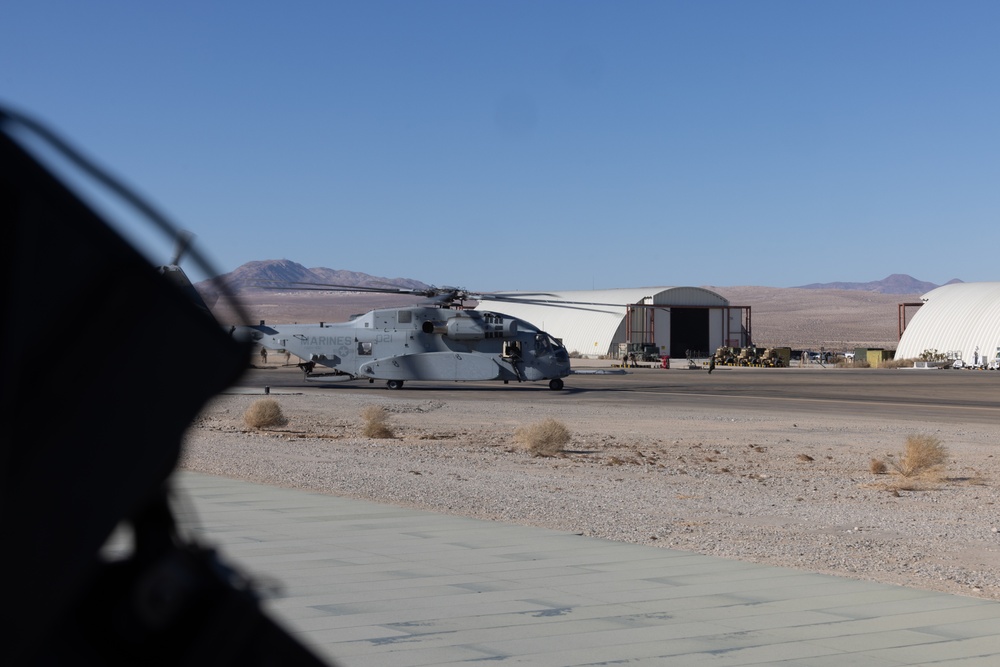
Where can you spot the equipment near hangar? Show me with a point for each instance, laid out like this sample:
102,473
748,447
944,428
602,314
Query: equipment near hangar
677,320
961,320
758,357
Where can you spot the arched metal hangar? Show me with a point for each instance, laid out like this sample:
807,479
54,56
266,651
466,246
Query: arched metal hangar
594,322
961,317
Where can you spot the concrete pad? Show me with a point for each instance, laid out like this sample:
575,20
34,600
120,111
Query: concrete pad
365,584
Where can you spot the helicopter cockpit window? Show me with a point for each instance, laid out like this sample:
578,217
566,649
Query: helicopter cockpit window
545,343
365,349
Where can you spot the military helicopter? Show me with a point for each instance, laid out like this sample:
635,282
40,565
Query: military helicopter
436,341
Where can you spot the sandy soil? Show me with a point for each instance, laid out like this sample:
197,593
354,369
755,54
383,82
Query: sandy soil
753,486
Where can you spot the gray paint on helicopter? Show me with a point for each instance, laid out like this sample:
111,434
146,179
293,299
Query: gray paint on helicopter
433,342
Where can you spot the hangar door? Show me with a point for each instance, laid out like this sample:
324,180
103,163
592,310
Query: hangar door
688,331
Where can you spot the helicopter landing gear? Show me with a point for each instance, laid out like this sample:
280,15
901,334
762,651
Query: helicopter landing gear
555,384
394,384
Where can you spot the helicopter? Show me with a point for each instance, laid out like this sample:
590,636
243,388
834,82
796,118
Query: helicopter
435,341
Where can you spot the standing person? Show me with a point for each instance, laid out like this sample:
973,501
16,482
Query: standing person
263,355
711,364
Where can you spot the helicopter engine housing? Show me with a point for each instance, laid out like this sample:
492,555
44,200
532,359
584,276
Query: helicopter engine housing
468,328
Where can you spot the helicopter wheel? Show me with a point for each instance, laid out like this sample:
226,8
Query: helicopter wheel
394,384
555,384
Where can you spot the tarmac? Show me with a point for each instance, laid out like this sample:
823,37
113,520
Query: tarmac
364,584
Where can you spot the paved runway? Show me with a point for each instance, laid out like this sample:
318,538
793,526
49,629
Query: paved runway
366,585
947,396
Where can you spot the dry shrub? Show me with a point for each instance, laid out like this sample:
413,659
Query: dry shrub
544,438
896,363
924,456
376,422
878,467
265,413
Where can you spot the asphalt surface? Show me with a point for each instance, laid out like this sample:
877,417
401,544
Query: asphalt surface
366,584
948,396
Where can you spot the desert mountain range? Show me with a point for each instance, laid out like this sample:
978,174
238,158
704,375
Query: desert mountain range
831,315
253,275
897,283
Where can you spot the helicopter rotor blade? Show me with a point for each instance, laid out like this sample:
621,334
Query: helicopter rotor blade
510,296
438,295
557,303
285,287
329,287
567,306
446,295
184,241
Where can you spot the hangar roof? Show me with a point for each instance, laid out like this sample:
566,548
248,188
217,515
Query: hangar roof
590,329
958,317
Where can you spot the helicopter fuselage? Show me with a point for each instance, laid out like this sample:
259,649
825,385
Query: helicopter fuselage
422,343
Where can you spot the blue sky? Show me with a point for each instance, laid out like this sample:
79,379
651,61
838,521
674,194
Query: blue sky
531,145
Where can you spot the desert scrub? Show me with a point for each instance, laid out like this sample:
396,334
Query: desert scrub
376,422
924,456
544,438
897,363
265,413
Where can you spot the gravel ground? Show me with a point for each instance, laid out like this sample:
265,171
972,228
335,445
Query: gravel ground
756,487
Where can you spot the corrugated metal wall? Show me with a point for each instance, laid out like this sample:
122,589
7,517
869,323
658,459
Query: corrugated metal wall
956,317
594,330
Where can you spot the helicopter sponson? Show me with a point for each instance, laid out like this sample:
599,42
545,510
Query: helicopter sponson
420,343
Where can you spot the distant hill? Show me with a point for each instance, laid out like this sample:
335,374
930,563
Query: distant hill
897,283
252,275
836,319
838,316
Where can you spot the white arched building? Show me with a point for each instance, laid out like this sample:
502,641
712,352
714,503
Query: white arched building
961,319
594,322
